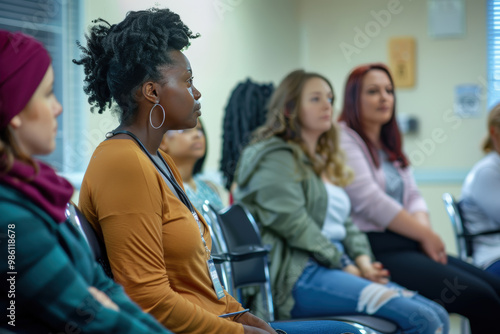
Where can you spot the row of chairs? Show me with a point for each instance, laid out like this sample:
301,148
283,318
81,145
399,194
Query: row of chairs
243,262
241,258
234,229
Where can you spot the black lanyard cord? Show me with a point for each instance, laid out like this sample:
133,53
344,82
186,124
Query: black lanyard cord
182,195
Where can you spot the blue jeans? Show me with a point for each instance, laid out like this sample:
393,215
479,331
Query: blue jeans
325,292
315,327
494,268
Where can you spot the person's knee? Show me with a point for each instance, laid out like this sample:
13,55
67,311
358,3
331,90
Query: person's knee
442,314
374,296
423,318
458,294
426,321
429,317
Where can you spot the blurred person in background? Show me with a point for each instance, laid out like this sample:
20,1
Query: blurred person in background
480,199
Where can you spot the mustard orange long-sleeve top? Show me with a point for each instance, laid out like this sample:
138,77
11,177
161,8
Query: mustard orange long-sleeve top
153,241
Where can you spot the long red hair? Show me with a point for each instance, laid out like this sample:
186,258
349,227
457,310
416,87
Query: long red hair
351,115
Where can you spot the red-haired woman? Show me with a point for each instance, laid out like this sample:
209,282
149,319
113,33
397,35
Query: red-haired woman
387,205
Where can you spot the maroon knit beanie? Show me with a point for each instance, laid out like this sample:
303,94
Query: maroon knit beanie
23,64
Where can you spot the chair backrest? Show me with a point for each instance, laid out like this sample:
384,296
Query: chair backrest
96,245
240,231
247,259
464,245
239,226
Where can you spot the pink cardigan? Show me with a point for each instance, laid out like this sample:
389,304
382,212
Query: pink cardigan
372,208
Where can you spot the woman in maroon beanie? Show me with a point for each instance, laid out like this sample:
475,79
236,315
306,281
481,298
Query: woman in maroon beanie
49,280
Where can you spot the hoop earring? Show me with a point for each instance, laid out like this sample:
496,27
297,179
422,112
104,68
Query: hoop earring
151,111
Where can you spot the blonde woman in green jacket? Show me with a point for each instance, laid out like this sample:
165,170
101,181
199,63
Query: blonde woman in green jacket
291,178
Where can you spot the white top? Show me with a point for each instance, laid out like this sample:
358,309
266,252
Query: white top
480,205
337,212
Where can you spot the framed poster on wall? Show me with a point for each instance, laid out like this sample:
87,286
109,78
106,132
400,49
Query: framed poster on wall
402,61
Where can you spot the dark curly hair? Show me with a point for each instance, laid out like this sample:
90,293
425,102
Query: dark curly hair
119,58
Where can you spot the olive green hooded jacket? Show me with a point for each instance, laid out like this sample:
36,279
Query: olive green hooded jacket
277,184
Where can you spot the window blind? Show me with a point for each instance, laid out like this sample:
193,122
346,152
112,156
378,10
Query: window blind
57,24
493,38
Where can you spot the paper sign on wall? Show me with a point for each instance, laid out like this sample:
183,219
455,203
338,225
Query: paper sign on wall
402,61
446,18
467,101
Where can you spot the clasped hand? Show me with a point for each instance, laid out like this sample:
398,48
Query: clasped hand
433,246
373,271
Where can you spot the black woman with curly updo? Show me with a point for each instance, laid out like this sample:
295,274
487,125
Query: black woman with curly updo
157,243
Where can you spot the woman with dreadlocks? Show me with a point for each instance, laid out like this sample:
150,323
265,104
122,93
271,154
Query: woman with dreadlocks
245,112
157,243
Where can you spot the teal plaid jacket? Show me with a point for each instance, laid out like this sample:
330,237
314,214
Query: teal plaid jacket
45,272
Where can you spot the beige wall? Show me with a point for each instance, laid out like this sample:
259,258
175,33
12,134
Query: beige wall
441,65
440,162
265,39
239,40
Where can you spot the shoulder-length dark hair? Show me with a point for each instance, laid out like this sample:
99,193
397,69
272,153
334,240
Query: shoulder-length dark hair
351,114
